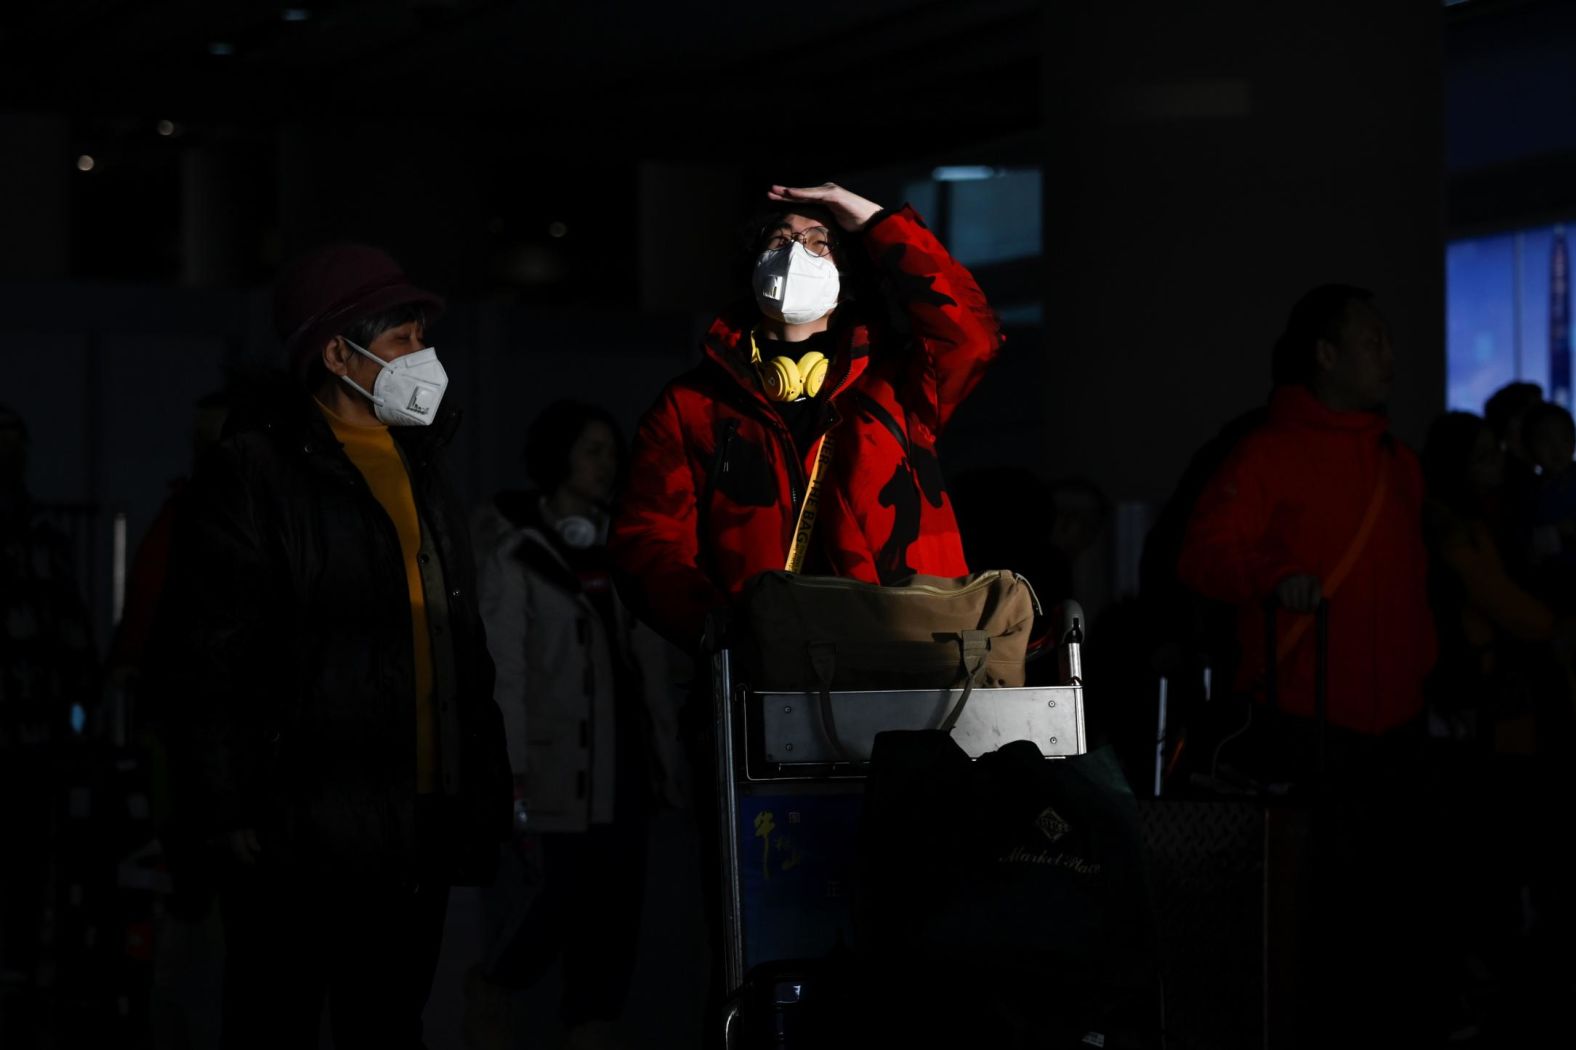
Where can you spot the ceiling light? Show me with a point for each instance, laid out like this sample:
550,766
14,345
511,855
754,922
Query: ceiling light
85,163
166,128
220,48
295,14
963,173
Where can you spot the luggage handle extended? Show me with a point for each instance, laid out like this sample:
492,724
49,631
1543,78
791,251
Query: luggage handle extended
1321,670
1063,637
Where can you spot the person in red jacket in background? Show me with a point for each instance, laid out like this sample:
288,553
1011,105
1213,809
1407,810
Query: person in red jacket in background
804,395
1321,502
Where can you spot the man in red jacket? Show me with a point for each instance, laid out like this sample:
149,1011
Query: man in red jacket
806,437
1321,502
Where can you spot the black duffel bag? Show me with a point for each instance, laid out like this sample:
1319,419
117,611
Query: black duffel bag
1003,902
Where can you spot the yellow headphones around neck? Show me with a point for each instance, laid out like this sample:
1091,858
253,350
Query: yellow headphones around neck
787,379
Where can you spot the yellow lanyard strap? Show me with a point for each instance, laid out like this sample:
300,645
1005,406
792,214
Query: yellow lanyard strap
812,494
1354,550
807,512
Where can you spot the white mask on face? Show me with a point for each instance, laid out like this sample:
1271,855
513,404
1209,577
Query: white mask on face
794,286
408,390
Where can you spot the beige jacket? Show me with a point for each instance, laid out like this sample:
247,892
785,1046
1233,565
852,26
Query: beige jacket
555,681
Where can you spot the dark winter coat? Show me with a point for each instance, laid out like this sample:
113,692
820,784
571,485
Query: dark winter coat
716,480
285,639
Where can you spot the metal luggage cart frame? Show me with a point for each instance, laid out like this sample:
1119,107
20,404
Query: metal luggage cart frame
766,738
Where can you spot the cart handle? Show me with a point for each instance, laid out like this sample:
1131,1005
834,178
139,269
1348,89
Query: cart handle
1066,627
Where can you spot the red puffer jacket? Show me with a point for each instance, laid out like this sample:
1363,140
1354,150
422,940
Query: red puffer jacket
716,482
1290,500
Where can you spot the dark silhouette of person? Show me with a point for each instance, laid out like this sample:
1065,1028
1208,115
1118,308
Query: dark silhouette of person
332,719
48,675
588,713
1321,503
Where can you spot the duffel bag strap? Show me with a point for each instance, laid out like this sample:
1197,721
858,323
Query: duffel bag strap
974,647
823,661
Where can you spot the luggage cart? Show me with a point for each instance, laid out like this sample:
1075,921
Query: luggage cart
789,792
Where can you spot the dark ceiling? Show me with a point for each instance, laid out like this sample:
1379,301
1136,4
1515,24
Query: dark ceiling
465,128
459,130
856,79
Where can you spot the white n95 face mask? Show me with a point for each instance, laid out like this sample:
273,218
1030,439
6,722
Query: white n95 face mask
409,390
794,286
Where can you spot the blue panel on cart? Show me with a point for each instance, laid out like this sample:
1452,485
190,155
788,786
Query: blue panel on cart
796,865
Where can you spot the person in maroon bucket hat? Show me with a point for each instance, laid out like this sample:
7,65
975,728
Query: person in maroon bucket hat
326,299
334,739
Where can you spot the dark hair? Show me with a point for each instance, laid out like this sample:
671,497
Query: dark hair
1447,457
1319,314
552,435
363,331
1546,415
1508,402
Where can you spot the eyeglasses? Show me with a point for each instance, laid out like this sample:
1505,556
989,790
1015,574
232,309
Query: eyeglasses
817,240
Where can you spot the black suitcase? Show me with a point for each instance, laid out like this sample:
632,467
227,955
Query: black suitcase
1229,862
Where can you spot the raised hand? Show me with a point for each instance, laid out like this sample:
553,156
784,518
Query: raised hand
850,210
1299,593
